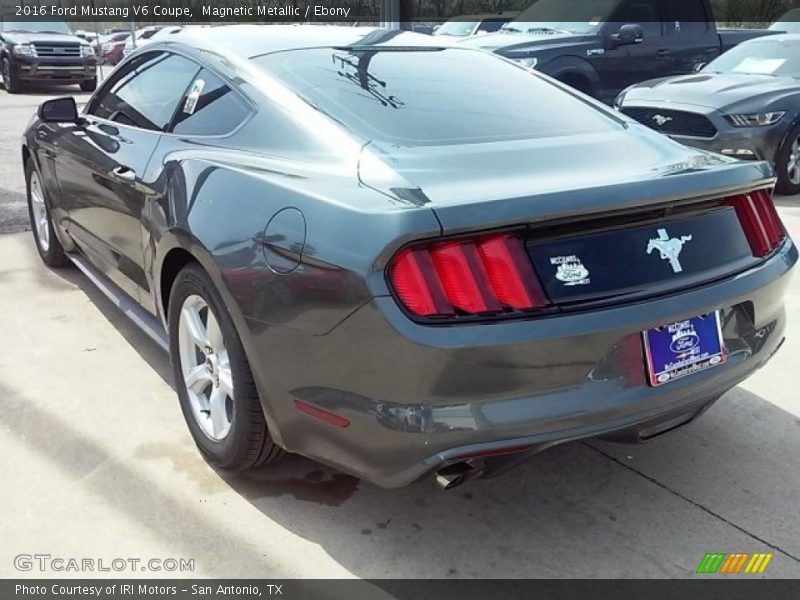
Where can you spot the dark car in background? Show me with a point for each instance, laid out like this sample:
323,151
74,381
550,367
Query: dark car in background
745,104
600,47
374,249
44,52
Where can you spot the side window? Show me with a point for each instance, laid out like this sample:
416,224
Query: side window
146,92
490,26
687,18
210,107
643,12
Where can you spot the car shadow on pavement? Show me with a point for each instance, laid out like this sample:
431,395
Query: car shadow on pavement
111,478
147,349
591,509
727,482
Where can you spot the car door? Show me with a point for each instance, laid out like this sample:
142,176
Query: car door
101,162
690,36
621,66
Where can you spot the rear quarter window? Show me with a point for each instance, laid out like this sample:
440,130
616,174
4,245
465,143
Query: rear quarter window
210,107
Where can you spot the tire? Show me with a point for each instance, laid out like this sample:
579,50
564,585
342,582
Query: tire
10,82
44,236
578,82
787,164
89,85
233,435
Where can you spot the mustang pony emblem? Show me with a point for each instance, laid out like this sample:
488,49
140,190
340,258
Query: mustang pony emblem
669,248
661,120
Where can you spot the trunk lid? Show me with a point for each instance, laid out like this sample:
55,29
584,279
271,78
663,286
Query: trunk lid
644,255
485,186
605,218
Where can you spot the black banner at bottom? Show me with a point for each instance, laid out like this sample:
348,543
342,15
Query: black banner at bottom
388,589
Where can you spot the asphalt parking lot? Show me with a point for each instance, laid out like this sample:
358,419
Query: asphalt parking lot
97,462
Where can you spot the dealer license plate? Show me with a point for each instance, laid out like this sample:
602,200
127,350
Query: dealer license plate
683,348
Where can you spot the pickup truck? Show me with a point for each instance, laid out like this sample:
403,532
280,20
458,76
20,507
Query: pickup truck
601,47
44,51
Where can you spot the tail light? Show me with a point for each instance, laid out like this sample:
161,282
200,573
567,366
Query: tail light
760,221
482,276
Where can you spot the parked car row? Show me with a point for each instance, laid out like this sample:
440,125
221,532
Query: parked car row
602,47
745,104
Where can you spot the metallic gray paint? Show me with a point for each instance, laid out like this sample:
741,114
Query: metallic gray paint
716,95
329,332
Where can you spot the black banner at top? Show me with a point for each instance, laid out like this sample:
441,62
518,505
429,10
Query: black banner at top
740,12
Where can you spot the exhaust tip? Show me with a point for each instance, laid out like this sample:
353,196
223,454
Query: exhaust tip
454,475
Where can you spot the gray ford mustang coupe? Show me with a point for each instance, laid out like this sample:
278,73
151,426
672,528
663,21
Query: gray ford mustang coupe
746,104
399,257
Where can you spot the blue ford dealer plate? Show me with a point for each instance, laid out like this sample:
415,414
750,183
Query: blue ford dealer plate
682,348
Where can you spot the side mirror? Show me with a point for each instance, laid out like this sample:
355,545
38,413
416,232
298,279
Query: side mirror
59,110
631,33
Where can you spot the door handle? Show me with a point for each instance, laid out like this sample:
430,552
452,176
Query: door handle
664,52
124,174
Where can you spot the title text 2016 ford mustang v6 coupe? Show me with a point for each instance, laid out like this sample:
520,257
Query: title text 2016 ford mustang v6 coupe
398,257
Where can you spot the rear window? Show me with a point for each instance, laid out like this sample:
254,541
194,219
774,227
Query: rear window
432,96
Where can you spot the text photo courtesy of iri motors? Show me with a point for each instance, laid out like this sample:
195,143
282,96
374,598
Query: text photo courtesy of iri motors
399,299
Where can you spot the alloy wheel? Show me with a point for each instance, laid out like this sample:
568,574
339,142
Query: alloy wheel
39,211
205,367
793,166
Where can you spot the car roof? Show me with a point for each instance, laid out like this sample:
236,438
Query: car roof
248,41
508,14
780,37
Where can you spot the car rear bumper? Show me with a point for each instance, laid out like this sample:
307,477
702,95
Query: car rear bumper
112,57
418,397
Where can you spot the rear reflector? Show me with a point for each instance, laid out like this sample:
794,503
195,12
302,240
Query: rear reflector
489,275
496,452
760,221
321,414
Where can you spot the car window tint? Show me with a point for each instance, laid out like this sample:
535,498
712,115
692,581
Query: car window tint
644,12
433,96
490,26
687,18
210,107
146,91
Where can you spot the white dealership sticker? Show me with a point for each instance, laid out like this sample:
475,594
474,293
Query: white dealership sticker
570,270
759,66
193,96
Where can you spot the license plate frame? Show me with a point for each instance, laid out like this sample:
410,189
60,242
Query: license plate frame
683,348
